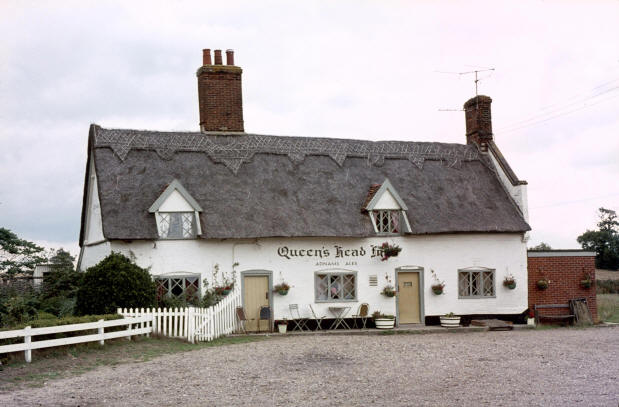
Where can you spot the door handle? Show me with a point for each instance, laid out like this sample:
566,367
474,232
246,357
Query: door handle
266,295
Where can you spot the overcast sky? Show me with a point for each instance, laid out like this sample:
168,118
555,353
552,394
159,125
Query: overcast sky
351,69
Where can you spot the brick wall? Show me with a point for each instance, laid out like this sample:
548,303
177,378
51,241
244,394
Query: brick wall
565,273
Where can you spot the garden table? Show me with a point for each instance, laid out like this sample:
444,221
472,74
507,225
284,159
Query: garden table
339,313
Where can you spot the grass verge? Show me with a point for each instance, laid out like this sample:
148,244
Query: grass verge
70,361
608,307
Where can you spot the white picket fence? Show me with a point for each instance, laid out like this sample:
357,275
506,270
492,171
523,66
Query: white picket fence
143,325
193,324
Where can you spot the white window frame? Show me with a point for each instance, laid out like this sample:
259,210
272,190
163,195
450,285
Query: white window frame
379,214
161,216
482,272
165,217
329,275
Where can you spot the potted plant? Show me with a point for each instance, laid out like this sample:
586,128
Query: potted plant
450,320
388,291
587,280
383,321
389,250
282,326
509,281
223,290
543,283
438,286
281,288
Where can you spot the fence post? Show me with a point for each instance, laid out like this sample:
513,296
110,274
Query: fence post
101,341
191,324
27,341
129,329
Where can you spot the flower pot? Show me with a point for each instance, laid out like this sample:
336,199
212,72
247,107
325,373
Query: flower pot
225,292
384,323
389,294
450,322
282,292
542,284
585,283
531,321
437,290
511,286
282,328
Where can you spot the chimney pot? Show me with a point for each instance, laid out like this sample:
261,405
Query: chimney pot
229,57
478,121
206,57
218,57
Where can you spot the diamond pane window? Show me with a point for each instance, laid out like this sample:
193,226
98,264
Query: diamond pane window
476,283
336,287
185,288
387,221
177,225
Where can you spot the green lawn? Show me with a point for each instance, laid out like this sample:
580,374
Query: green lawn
608,307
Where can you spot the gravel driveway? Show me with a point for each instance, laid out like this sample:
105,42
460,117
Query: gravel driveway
522,368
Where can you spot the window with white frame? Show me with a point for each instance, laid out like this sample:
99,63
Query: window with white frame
476,283
177,225
387,221
336,286
180,287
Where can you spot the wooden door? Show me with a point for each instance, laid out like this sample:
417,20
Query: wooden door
255,295
408,298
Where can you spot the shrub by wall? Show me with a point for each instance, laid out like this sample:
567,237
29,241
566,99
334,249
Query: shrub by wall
115,282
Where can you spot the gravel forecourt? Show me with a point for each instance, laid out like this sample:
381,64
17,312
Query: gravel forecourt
554,367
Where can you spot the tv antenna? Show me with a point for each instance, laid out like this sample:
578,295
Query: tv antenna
476,72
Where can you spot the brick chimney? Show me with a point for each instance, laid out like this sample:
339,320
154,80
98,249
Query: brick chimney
478,121
219,93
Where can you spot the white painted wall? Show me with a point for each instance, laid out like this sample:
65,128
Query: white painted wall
94,225
93,254
387,201
445,254
517,192
175,203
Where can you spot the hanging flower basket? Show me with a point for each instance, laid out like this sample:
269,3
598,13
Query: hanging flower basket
282,288
223,291
586,283
389,250
437,289
509,282
587,280
542,284
388,291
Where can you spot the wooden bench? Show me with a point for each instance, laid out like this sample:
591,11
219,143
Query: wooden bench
567,318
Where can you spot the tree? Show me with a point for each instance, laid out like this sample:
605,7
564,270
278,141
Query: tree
604,241
115,282
541,246
60,285
18,255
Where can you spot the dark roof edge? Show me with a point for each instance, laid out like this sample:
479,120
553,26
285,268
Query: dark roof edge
511,175
560,253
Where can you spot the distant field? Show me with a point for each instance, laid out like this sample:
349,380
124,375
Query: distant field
608,307
606,274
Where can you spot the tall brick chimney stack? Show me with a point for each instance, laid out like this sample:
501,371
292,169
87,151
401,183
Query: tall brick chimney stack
219,93
478,121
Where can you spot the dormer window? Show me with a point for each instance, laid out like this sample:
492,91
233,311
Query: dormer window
177,214
387,210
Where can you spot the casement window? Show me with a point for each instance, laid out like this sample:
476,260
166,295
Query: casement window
476,283
177,214
181,287
335,287
177,225
387,221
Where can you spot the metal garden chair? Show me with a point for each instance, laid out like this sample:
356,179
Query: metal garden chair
265,314
317,319
299,322
362,313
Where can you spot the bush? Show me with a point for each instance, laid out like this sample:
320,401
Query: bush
607,286
18,309
115,282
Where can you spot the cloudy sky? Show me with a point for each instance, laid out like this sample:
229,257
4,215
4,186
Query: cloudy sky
377,70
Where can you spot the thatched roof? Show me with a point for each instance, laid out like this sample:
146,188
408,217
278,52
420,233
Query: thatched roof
261,186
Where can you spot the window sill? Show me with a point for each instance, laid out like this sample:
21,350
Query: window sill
334,301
